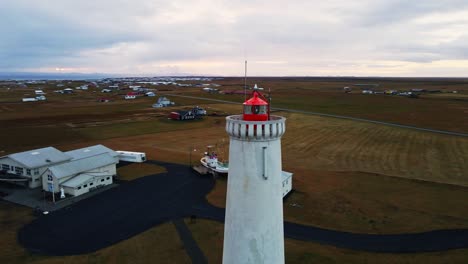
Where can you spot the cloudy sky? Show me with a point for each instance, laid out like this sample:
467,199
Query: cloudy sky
214,37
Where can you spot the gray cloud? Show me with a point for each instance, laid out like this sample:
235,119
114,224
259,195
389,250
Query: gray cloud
212,37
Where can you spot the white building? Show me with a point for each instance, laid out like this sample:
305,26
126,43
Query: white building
89,168
31,165
163,102
77,171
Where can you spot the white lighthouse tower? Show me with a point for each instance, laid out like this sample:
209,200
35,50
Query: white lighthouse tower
253,231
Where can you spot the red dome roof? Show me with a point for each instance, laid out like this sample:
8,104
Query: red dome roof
255,100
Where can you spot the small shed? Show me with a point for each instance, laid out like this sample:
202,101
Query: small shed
286,178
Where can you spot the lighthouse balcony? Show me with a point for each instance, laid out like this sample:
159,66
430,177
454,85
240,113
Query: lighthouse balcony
255,130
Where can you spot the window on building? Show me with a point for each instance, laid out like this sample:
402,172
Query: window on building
86,185
36,171
79,187
28,172
107,178
102,180
91,184
49,178
5,167
19,170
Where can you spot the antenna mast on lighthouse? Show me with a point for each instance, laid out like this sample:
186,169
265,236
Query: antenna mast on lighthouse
245,81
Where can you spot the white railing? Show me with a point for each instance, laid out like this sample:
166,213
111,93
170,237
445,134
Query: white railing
255,130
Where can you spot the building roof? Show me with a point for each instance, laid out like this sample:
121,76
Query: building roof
77,166
82,178
39,157
91,151
77,181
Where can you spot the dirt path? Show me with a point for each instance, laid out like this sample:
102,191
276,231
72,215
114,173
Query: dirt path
190,245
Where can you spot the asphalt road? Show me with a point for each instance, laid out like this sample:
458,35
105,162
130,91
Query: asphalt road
135,206
450,133
117,214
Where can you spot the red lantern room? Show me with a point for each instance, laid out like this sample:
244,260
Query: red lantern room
256,108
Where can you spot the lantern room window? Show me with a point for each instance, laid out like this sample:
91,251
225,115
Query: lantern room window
255,109
248,109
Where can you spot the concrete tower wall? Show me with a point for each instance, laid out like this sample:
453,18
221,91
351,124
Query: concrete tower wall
253,230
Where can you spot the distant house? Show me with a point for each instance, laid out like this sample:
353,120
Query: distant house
151,94
130,97
104,100
163,102
210,90
39,92
68,91
106,91
182,115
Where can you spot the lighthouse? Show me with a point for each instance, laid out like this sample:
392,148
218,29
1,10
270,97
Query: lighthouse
253,230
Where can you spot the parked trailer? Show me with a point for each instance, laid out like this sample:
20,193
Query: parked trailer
29,100
131,156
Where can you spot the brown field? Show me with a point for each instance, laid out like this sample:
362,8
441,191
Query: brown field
348,175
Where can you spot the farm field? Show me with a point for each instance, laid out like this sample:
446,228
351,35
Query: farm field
348,175
443,111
